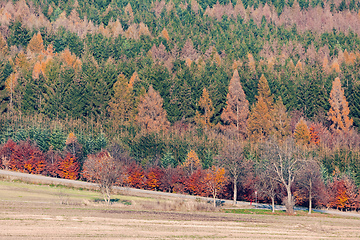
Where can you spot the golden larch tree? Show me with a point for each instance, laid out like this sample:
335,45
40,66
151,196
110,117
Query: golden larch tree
339,109
3,45
302,132
10,85
192,161
36,44
237,106
151,115
280,120
121,104
207,109
264,92
259,123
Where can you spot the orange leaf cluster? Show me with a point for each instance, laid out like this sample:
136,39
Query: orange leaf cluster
70,59
69,168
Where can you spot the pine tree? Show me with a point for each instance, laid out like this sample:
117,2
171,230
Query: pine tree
237,110
281,121
302,132
339,111
121,104
203,117
152,116
36,44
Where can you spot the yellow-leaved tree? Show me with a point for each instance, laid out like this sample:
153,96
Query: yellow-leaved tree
339,109
121,105
151,115
203,117
192,161
302,132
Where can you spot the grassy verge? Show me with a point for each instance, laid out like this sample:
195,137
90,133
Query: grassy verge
269,212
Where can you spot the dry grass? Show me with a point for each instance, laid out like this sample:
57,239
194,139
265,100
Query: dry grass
55,212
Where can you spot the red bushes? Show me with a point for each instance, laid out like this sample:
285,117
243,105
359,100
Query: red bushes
22,157
26,157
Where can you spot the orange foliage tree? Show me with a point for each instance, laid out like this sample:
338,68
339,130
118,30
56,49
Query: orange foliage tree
135,176
69,167
215,180
36,44
339,109
153,178
203,117
152,116
237,109
192,161
302,133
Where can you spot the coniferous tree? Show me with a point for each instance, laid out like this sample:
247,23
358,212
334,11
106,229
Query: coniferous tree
122,103
203,118
265,92
281,121
302,132
237,110
151,115
339,110
36,44
259,123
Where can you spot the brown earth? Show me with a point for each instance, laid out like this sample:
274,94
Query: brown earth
42,212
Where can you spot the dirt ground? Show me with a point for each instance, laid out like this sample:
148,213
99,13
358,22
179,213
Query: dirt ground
43,212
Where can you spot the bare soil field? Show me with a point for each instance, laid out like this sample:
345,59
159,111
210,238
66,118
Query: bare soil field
29,211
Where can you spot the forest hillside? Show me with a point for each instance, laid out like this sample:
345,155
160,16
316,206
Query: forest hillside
189,89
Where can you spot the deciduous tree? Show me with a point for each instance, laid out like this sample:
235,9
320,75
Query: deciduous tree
302,133
339,111
122,103
215,180
237,109
283,161
103,169
203,117
152,116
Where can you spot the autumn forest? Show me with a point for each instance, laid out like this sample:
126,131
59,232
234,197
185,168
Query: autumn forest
211,98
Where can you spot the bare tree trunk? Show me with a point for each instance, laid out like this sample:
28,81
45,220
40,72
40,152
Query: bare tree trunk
310,202
235,190
289,205
273,203
214,195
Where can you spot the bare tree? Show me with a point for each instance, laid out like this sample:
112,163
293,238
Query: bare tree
232,159
103,169
267,185
283,163
309,179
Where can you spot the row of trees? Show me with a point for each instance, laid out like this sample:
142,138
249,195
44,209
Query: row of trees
276,171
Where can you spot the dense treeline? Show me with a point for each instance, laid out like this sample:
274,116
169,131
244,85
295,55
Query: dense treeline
163,79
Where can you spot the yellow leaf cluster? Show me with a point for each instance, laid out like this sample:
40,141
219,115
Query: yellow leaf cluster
71,138
11,82
70,59
302,132
36,44
192,161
